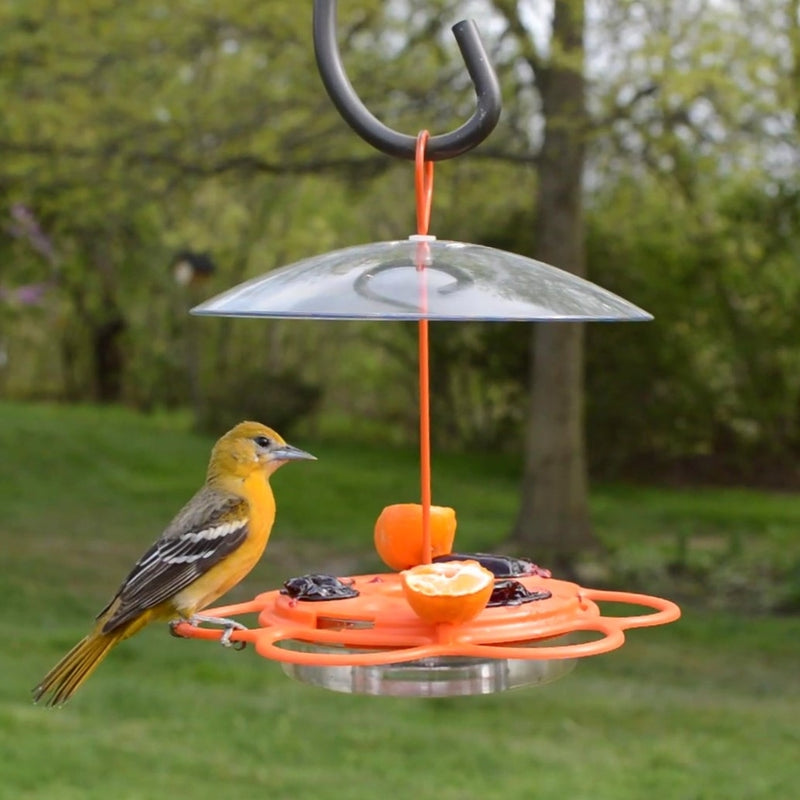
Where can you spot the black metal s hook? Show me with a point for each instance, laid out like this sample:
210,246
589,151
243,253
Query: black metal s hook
371,129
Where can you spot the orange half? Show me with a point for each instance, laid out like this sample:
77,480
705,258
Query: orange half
398,534
453,591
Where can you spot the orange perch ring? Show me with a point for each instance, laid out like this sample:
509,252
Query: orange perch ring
379,627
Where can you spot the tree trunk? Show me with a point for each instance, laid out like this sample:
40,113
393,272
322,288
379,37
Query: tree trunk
108,357
553,521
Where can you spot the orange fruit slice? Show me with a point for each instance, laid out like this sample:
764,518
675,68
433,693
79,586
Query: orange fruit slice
454,591
398,534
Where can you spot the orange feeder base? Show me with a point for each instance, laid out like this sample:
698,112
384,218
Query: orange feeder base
375,643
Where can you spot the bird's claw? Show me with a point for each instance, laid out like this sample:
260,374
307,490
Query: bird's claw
225,639
228,626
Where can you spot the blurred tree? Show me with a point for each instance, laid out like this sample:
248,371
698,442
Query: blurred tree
686,92
120,122
705,166
133,131
554,516
136,131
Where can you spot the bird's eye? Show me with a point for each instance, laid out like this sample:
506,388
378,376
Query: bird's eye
262,441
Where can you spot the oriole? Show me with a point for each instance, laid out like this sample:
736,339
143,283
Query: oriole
213,542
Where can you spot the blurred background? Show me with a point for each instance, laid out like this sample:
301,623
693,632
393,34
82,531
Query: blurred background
157,153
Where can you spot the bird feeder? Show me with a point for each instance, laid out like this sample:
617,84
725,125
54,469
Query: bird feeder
359,634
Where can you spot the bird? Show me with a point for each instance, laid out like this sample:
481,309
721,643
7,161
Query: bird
208,547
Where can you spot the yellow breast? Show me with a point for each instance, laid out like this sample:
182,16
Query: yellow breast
233,568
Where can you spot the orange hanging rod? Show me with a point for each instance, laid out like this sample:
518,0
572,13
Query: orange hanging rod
423,181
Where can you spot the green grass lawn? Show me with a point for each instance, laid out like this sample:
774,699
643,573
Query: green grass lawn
706,708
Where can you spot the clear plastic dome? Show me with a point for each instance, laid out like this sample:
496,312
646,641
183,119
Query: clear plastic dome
459,281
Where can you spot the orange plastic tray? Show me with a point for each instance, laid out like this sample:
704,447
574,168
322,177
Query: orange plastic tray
379,627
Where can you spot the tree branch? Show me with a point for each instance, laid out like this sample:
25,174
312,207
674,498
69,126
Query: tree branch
245,162
623,110
508,9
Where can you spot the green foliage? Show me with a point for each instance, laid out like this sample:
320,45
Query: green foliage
282,398
133,131
138,131
713,381
125,125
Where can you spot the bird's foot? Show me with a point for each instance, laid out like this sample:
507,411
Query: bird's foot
228,625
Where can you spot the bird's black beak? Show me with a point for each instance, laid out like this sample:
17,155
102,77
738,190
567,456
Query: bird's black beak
286,452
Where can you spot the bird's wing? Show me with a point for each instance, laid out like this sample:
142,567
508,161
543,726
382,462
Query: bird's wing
212,525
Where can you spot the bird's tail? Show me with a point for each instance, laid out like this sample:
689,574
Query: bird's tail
65,677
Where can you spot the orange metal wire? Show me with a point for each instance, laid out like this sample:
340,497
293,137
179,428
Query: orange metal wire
423,181
379,627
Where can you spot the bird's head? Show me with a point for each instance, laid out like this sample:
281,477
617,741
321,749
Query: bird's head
248,447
